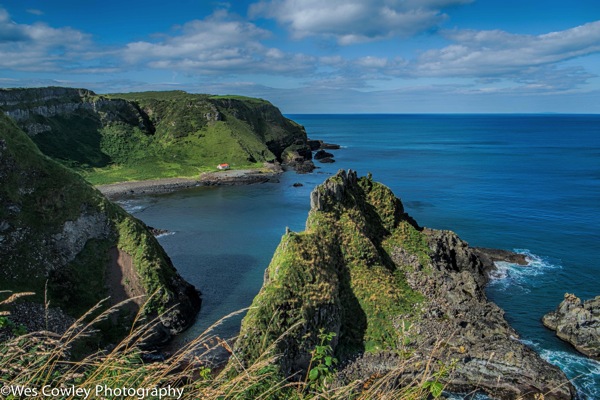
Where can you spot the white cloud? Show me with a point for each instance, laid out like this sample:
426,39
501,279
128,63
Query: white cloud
35,11
354,21
39,47
534,62
498,53
219,44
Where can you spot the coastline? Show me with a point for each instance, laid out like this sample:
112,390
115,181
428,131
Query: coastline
115,191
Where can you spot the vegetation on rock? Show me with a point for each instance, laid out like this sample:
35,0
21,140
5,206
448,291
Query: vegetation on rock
138,136
60,234
389,293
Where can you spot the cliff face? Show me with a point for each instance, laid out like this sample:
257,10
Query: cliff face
154,134
69,124
55,228
364,270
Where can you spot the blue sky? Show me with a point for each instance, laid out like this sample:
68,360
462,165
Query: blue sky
317,56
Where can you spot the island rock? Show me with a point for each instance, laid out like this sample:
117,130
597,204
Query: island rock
319,155
578,323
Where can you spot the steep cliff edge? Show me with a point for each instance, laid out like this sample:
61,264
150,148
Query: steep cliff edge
364,270
56,228
137,136
578,323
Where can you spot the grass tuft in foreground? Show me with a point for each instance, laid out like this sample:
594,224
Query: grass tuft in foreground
42,361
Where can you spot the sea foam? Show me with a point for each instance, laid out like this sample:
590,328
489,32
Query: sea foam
513,275
583,372
132,206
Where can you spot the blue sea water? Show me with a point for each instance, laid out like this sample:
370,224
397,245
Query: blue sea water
527,182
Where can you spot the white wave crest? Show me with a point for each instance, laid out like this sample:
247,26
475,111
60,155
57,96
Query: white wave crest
132,206
583,372
165,234
509,274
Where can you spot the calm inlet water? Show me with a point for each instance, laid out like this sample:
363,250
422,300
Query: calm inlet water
512,181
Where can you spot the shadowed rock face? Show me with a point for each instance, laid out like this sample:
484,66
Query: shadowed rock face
578,323
394,294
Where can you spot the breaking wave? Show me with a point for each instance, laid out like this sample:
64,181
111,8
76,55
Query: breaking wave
512,275
583,372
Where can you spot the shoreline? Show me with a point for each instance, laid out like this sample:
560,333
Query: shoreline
116,191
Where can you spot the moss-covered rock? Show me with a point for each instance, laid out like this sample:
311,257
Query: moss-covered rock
391,291
57,230
336,276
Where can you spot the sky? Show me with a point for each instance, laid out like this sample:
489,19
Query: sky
317,56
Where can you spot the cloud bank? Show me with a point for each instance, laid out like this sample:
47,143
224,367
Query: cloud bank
282,41
355,21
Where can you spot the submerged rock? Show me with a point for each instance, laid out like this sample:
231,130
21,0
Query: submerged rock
398,297
320,145
327,160
578,323
489,256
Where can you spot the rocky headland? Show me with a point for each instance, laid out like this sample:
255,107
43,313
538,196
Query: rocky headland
577,322
400,299
151,135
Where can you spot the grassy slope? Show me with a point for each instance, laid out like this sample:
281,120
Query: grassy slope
139,136
186,141
37,197
337,276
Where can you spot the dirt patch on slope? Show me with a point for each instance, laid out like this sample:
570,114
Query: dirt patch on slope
122,280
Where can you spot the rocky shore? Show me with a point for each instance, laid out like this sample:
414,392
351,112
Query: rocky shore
155,186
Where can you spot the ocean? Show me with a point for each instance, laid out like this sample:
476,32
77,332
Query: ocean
520,182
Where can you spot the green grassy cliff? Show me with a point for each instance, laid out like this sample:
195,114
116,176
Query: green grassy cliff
58,231
137,136
389,300
336,276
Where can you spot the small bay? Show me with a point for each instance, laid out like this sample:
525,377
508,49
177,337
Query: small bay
527,182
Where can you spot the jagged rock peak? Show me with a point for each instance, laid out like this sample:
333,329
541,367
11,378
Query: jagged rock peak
333,188
364,270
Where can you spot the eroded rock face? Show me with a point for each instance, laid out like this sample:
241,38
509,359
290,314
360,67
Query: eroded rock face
578,323
490,356
394,294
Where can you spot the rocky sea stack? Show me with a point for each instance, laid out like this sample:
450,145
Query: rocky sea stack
58,233
578,323
398,297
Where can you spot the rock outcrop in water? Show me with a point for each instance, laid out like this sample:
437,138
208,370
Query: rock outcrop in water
59,233
578,323
396,295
